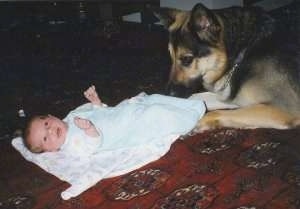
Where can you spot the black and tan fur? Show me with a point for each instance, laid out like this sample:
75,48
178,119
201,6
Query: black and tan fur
235,53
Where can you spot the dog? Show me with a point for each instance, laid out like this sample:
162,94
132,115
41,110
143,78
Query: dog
236,54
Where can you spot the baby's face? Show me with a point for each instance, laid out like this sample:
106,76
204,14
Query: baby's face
48,133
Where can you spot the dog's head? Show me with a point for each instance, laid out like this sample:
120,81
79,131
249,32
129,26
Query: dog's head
196,46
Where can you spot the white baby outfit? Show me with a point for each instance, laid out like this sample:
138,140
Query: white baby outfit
133,122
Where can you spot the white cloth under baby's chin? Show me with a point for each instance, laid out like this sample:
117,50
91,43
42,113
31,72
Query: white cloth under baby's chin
82,172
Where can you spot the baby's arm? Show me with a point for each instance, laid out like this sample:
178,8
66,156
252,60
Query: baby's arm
87,126
92,95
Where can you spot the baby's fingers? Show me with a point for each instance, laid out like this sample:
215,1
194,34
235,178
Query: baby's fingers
82,123
86,94
90,91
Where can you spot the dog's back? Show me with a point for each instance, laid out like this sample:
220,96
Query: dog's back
272,67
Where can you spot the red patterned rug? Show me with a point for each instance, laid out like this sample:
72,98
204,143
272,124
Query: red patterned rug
222,169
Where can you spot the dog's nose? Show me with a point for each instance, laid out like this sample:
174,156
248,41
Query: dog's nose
177,90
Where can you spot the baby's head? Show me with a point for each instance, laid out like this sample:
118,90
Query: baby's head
45,133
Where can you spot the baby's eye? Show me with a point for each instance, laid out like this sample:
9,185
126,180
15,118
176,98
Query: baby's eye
45,139
46,123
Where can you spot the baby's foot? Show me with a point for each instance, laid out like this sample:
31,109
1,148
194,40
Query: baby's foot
92,96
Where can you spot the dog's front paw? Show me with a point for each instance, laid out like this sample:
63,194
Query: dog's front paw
210,121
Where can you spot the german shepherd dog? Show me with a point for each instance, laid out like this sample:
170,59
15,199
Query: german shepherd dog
236,54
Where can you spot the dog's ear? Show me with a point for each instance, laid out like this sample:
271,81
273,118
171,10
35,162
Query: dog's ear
167,16
203,21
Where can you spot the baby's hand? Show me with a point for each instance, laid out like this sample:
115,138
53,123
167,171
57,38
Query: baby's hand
82,123
92,96
87,126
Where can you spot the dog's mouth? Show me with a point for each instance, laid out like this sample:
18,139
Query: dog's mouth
177,90
184,90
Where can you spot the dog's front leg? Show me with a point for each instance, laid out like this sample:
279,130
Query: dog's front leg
255,116
212,101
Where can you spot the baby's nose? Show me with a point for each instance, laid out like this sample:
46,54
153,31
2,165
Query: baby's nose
50,130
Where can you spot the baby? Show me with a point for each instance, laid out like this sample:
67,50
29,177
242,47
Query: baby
47,133
95,127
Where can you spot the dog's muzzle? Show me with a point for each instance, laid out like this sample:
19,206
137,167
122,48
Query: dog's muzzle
180,90
177,90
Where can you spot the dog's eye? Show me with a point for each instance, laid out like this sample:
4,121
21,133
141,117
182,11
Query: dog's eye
186,60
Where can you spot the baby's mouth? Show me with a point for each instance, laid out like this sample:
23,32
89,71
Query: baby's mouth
58,132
